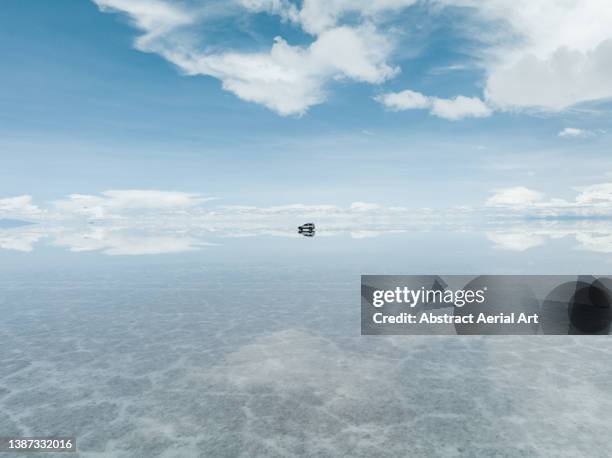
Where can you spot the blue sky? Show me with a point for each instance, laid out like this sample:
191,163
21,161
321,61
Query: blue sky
182,96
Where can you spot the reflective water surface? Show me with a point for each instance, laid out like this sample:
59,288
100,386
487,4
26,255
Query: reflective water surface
246,343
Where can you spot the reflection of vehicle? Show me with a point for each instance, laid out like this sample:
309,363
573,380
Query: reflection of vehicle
307,229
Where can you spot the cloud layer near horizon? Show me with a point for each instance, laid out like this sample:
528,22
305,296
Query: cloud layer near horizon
148,205
141,222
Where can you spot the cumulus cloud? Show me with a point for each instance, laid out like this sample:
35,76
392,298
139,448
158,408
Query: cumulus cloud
146,206
316,16
285,78
460,107
18,207
139,222
516,241
405,100
544,54
594,193
454,109
514,197
590,234
20,239
364,206
553,83
590,201
600,242
117,201
115,241
573,132
371,234
290,79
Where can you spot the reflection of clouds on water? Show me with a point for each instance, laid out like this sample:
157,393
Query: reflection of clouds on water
516,241
590,201
21,238
139,222
141,237
601,243
121,242
126,240
593,236
108,240
119,222
365,234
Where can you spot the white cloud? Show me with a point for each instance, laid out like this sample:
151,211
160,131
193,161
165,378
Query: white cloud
364,206
136,198
542,54
317,16
405,100
545,54
148,206
125,241
514,197
516,241
598,242
554,83
454,109
573,132
21,239
287,79
460,107
18,207
595,193
117,201
156,18
590,201
139,222
290,79
592,235
371,234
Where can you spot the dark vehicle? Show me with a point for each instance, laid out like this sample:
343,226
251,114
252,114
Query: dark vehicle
307,229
